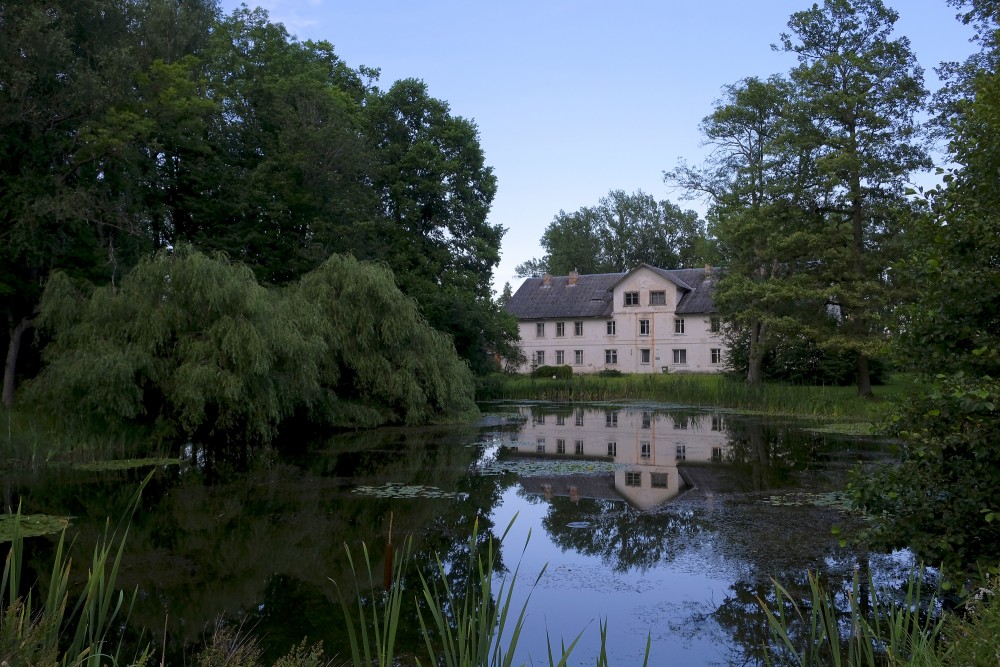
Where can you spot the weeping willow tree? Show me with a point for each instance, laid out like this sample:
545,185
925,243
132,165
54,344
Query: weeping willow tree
192,345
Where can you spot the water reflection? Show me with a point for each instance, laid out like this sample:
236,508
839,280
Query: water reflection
672,533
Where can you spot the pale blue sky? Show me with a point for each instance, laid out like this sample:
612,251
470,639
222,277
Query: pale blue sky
573,99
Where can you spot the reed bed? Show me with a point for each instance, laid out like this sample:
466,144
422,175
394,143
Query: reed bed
699,390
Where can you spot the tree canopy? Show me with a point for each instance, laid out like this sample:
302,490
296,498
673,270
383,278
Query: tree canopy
130,127
194,346
620,232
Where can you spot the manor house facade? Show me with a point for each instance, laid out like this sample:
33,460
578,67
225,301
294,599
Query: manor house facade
647,320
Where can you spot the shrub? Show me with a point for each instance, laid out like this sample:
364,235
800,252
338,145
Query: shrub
557,372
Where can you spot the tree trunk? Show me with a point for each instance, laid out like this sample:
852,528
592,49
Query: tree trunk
755,357
10,369
864,377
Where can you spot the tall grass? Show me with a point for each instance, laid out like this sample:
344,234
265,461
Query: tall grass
871,631
693,389
31,439
46,630
470,626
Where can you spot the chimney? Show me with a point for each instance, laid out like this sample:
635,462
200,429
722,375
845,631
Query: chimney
546,279
573,275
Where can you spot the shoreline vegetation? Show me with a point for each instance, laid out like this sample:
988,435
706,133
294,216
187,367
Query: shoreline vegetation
840,403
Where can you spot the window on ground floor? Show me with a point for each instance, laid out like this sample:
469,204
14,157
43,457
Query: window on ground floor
578,357
658,480
612,449
633,479
560,357
680,356
539,357
644,356
716,355
611,356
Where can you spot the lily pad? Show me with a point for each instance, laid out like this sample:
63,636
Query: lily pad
548,467
125,464
32,525
832,499
397,490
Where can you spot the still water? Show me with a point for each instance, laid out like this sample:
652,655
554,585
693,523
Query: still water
663,522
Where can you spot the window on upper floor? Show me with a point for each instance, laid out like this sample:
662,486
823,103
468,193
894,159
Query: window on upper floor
645,449
714,324
679,325
577,328
612,329
560,329
612,449
644,328
631,298
539,329
658,480
633,479
658,298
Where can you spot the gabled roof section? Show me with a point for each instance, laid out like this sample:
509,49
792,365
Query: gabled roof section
664,273
702,283
591,296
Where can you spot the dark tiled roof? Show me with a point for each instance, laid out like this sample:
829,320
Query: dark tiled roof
591,296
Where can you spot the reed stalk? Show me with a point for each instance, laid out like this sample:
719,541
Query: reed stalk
47,634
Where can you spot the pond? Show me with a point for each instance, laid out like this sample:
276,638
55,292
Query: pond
664,522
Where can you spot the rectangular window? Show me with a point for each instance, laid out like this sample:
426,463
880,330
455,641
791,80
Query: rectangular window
579,447
560,420
715,325
612,449
578,357
658,480
537,419
681,423
716,355
611,356
560,357
680,356
647,419
679,325
644,328
644,356
540,446
611,328
716,454
560,329
658,298
560,446
716,422
539,329
611,418
579,418
633,479
631,298
577,328
539,357
680,453
645,449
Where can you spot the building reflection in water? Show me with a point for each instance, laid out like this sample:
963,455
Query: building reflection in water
645,446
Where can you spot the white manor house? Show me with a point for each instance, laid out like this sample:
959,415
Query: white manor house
647,320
